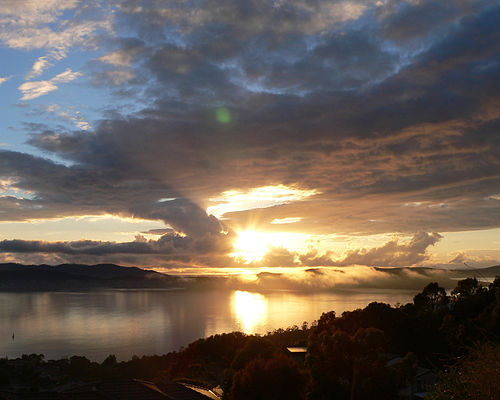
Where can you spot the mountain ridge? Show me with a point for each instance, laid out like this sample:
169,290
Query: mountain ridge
18,277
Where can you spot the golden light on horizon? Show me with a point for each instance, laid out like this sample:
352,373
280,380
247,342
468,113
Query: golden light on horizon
250,309
105,227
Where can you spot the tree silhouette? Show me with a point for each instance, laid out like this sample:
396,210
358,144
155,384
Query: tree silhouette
278,378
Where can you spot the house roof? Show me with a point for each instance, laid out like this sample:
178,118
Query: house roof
177,391
297,349
206,392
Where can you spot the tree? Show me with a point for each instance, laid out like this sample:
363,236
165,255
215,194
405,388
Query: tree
80,367
466,288
344,365
255,347
326,321
475,377
431,298
110,361
278,378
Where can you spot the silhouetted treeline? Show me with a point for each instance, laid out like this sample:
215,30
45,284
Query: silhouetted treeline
373,353
348,356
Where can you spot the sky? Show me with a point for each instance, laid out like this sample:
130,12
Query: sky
233,136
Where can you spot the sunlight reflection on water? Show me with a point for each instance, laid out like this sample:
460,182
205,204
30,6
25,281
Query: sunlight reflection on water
250,310
98,323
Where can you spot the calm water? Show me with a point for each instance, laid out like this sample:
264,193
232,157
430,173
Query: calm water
126,322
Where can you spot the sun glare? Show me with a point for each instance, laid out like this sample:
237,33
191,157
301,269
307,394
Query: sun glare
250,246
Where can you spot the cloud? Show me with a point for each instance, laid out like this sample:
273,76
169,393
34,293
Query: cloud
119,58
32,90
169,243
57,190
288,220
4,79
252,16
314,259
278,257
406,21
53,25
36,24
83,125
158,231
459,258
68,114
44,62
39,66
31,11
79,247
196,236
114,77
473,259
393,254
66,76
131,51
388,111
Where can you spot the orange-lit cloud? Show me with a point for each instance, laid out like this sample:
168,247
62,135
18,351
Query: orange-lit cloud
256,198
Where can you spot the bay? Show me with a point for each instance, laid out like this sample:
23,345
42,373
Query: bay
95,324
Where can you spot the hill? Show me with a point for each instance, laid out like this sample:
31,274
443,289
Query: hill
18,277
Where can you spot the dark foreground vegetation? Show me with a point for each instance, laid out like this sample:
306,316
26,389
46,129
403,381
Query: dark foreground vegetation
444,344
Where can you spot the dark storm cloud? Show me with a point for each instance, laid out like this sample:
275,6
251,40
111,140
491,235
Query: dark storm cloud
61,191
405,21
78,247
171,243
391,111
158,231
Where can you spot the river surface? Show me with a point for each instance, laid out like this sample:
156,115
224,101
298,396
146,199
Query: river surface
145,322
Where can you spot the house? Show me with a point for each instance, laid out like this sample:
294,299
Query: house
424,379
298,354
184,391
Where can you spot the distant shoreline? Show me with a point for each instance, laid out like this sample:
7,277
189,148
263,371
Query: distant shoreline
81,277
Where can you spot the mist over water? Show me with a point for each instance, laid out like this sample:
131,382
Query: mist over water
145,322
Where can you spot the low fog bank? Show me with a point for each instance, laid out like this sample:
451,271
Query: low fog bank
84,277
359,277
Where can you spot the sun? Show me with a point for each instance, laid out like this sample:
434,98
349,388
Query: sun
250,246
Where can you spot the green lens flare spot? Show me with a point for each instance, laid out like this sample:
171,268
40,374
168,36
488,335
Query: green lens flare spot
223,115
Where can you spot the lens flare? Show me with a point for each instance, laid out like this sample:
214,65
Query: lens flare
223,115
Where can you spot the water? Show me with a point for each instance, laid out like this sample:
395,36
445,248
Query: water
139,322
